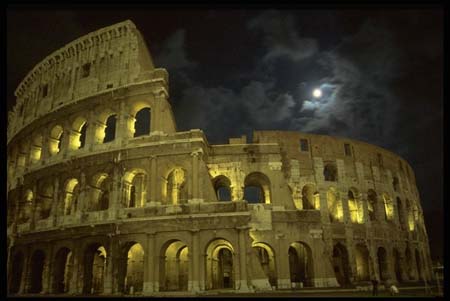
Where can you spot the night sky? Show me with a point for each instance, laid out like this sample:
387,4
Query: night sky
232,71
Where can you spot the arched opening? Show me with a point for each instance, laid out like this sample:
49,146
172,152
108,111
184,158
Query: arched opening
110,129
382,264
16,273
219,265
36,271
55,141
176,190
62,271
335,210
409,264
142,123
388,207
26,207
266,258
395,184
22,155
36,148
174,266
372,204
77,138
341,265
101,186
131,274
257,188
330,172
411,224
135,188
401,217
310,197
355,207
45,200
362,263
398,265
222,188
71,196
418,265
300,264
94,269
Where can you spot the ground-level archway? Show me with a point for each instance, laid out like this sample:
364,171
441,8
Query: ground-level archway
36,273
300,264
362,263
418,265
174,266
62,271
94,269
131,268
341,265
382,264
16,273
398,265
220,265
266,258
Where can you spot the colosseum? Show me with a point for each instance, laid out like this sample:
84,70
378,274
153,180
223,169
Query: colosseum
106,197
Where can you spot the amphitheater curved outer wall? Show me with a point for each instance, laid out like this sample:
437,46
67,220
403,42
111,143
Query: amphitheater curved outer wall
160,210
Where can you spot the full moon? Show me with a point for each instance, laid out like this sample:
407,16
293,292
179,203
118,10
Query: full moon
317,93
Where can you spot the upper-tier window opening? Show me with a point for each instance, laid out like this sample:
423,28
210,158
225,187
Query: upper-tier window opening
347,149
86,70
142,124
45,90
330,172
304,145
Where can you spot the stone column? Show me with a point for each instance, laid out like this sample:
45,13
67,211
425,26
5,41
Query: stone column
324,214
237,192
66,136
150,285
344,199
153,179
243,233
75,287
91,124
194,262
54,209
47,274
282,262
25,271
195,196
202,267
116,194
157,126
110,259
35,209
82,196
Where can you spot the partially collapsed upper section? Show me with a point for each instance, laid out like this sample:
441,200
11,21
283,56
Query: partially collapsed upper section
111,57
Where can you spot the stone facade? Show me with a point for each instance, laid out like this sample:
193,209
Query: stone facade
100,205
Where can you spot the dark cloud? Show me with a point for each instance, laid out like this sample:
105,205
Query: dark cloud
362,103
173,55
281,36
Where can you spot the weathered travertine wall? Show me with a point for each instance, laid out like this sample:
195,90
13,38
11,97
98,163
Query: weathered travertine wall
103,200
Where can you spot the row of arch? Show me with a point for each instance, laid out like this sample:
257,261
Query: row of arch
100,187
256,190
330,174
104,129
220,267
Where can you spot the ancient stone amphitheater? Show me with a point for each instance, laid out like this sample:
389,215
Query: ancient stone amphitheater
106,197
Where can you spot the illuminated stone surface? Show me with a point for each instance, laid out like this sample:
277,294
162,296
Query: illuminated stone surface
103,199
